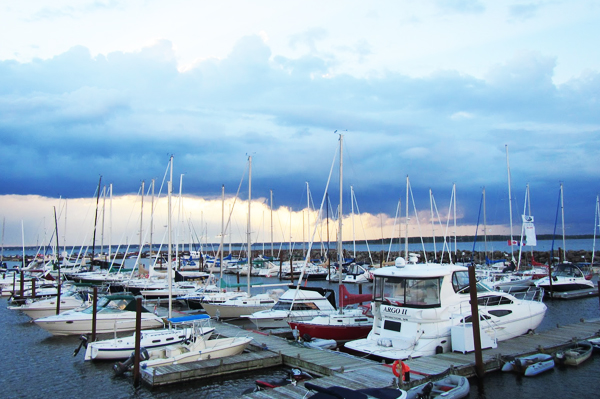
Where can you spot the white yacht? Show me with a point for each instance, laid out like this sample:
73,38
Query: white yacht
181,329
297,303
566,277
113,313
416,306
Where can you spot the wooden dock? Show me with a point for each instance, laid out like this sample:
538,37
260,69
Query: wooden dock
338,368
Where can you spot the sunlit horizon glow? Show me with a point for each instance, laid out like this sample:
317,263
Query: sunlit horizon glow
199,222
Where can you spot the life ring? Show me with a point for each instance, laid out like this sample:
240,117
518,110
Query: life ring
400,368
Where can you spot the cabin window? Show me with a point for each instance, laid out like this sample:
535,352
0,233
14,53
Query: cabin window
305,306
410,292
392,325
500,312
282,305
469,318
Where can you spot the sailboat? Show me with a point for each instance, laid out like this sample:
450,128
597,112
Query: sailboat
566,276
241,303
346,324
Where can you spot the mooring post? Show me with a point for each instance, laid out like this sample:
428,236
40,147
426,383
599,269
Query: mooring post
33,287
280,267
479,369
22,284
138,337
550,278
94,310
58,289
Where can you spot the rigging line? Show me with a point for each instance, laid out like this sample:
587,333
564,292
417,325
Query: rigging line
363,228
554,232
476,229
393,231
123,236
314,232
445,242
418,223
446,246
227,224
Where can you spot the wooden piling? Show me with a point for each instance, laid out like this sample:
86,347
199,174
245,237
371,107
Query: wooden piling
138,336
22,286
479,367
94,312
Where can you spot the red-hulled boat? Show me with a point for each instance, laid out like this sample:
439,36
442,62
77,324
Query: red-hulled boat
346,325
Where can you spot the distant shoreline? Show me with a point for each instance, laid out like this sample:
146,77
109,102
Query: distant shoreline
411,240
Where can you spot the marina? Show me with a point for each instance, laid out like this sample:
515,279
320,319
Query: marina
269,354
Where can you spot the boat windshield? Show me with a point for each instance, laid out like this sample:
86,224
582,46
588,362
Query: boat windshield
107,305
567,271
460,283
409,292
287,305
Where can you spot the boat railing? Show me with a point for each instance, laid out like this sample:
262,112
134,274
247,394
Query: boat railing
530,294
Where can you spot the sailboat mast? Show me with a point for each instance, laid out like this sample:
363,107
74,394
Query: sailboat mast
141,247
222,231
510,207
406,224
353,230
4,225
340,213
249,220
110,222
307,216
152,219
271,209
596,222
95,223
562,210
484,226
455,231
170,250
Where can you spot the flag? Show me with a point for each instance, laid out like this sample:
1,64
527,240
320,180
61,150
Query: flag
513,243
529,229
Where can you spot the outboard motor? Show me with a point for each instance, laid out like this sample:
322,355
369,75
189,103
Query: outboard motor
84,343
121,368
426,391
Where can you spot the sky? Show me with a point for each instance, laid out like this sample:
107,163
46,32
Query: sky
451,93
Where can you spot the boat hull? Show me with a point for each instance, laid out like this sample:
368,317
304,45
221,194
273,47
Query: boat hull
338,333
121,348
201,350
233,311
84,326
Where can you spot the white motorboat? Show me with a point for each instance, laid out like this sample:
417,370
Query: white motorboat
416,306
181,329
347,324
114,313
69,300
236,306
297,303
565,277
200,349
